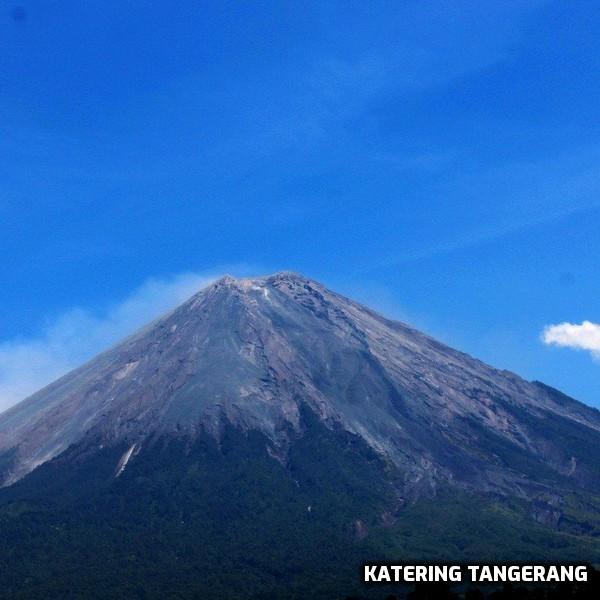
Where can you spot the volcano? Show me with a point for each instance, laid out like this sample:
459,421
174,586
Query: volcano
268,435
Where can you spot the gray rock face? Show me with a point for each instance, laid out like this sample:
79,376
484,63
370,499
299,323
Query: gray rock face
254,352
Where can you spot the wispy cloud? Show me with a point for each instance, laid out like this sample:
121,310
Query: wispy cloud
26,365
585,336
526,195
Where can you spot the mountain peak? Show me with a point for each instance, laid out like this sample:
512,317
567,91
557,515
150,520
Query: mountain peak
278,276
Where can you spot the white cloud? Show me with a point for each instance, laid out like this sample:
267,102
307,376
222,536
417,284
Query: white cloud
585,336
26,365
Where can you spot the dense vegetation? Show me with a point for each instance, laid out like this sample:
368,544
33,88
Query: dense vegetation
230,521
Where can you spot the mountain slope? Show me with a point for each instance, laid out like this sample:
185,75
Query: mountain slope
253,352
228,521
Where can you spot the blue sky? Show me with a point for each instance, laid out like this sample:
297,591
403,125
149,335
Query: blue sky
437,160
